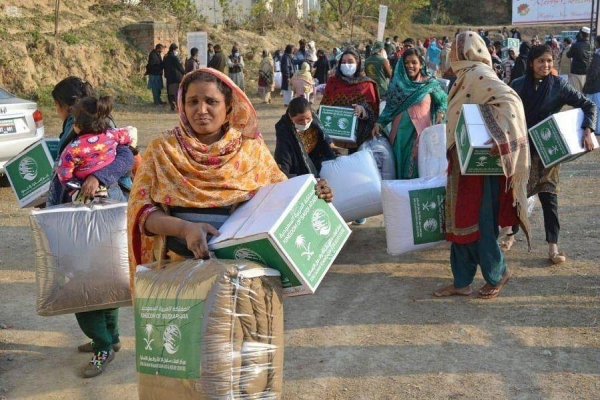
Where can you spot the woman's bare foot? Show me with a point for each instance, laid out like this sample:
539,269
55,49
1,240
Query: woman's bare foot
450,290
507,243
488,291
554,255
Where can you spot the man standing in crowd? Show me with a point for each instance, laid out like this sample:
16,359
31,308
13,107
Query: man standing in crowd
173,74
564,66
378,68
154,70
192,62
515,34
219,60
580,54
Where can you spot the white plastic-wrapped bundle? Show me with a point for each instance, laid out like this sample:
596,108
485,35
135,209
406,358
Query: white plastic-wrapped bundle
445,84
432,151
81,257
413,211
208,330
356,185
530,205
277,79
383,153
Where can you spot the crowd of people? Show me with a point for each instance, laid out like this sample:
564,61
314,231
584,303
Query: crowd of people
215,158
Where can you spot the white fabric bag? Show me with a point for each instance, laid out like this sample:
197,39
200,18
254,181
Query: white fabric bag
81,257
383,153
277,79
432,151
413,211
356,185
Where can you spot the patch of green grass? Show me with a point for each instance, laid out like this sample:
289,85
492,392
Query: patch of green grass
70,38
45,95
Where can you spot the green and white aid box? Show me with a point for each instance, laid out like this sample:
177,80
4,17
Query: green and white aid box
339,123
30,173
53,145
559,137
473,154
285,226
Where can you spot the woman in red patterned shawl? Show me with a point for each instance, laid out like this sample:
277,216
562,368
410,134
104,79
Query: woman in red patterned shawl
349,87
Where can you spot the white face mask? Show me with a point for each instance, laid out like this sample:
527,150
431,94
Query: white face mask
348,69
236,55
303,128
176,52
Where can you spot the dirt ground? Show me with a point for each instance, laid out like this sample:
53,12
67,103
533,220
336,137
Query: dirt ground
372,330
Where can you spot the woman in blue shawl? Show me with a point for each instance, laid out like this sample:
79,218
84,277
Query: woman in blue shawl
415,101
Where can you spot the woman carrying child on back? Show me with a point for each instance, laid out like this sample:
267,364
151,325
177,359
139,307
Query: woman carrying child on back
95,145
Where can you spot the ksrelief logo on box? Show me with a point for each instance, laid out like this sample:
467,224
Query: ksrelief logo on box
167,332
30,173
427,212
244,253
338,122
28,169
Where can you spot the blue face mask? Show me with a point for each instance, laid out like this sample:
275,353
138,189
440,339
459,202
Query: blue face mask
236,55
348,69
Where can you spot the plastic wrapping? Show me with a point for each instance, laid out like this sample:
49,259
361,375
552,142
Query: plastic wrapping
383,153
81,257
277,80
445,84
530,205
432,151
356,185
209,330
413,212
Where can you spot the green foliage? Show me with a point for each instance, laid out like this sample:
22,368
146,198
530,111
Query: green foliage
70,38
266,14
43,95
347,12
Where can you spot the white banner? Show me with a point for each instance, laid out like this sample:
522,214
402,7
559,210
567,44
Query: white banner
382,20
551,11
198,40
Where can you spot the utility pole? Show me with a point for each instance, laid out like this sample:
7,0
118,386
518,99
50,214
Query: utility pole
56,7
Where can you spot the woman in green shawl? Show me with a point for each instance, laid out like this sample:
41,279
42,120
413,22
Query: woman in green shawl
415,101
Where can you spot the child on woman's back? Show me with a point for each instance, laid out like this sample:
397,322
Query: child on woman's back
96,144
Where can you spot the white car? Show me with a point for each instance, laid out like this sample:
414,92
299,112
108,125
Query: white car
21,124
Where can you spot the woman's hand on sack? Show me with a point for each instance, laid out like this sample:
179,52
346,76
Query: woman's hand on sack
323,191
588,143
375,130
494,151
90,186
195,234
360,111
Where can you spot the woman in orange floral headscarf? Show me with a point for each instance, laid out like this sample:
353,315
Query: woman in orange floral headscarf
194,175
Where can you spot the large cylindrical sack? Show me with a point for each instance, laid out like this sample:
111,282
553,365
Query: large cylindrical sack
432,151
208,330
383,154
356,185
413,212
277,80
81,257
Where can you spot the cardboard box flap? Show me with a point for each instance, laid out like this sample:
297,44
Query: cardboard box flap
472,114
571,120
263,211
479,135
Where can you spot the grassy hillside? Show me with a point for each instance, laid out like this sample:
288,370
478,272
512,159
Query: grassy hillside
90,45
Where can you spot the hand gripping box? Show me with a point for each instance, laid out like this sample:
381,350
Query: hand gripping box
285,226
473,154
30,173
559,137
339,123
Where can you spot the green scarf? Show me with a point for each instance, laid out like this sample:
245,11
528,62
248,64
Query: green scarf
404,93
